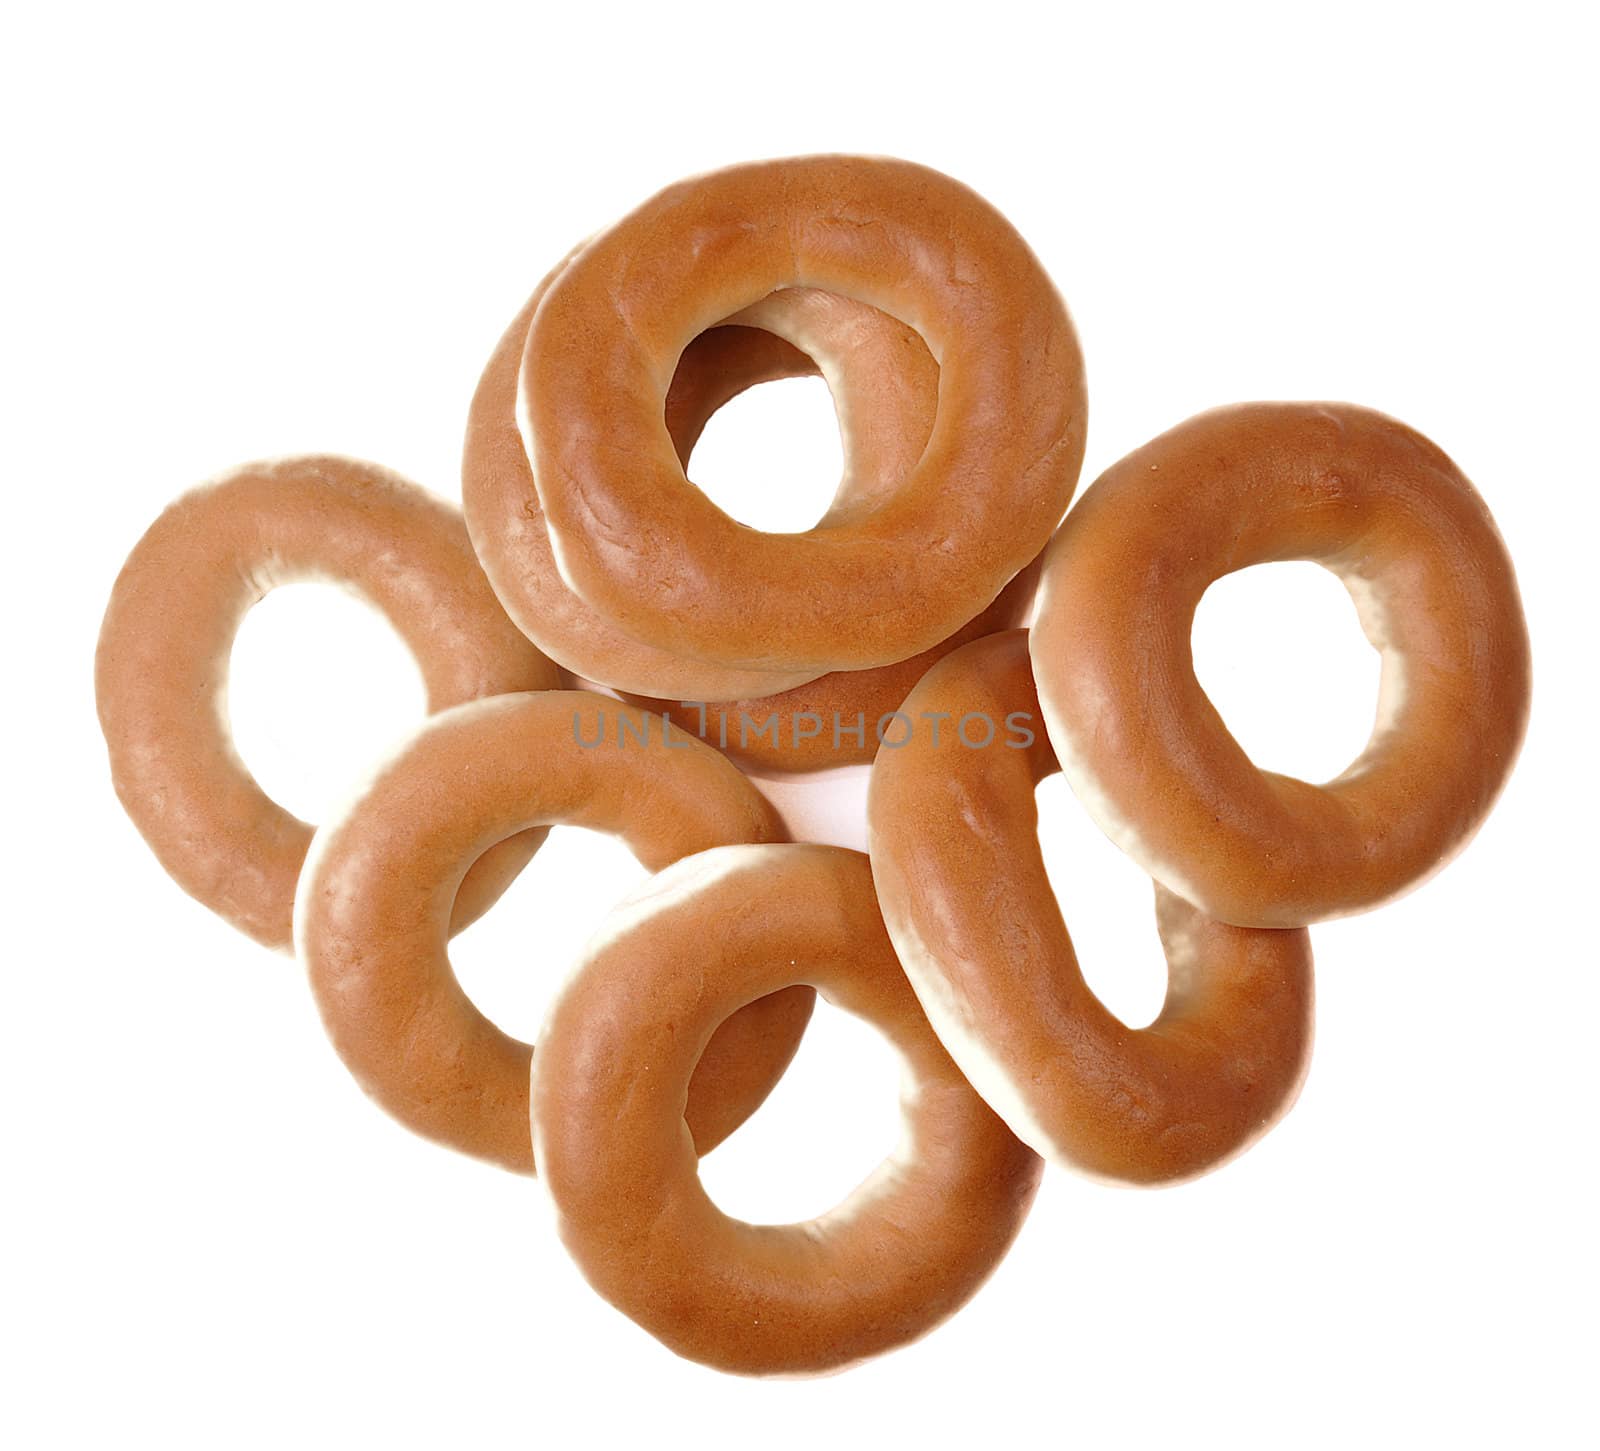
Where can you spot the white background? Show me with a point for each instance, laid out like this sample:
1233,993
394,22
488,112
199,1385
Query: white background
247,231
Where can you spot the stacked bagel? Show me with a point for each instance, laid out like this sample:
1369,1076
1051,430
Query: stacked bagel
890,632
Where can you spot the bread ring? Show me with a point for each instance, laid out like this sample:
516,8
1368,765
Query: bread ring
668,567
955,854
161,668
1149,756
903,1251
371,918
886,386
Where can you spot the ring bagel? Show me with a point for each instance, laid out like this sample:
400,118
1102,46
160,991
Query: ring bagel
644,548
161,667
373,908
903,1251
1145,750
956,859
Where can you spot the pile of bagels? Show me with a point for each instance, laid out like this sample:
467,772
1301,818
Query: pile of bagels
891,633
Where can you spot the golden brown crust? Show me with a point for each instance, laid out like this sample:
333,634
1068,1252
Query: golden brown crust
162,663
375,897
888,386
835,719
1146,751
904,1251
885,386
666,566
955,855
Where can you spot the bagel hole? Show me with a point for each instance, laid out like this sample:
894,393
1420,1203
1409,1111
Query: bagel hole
513,960
831,1120
320,689
772,457
1279,650
1108,905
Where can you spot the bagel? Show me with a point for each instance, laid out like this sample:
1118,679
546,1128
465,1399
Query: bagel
374,904
903,1251
1145,750
655,557
952,829
161,668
